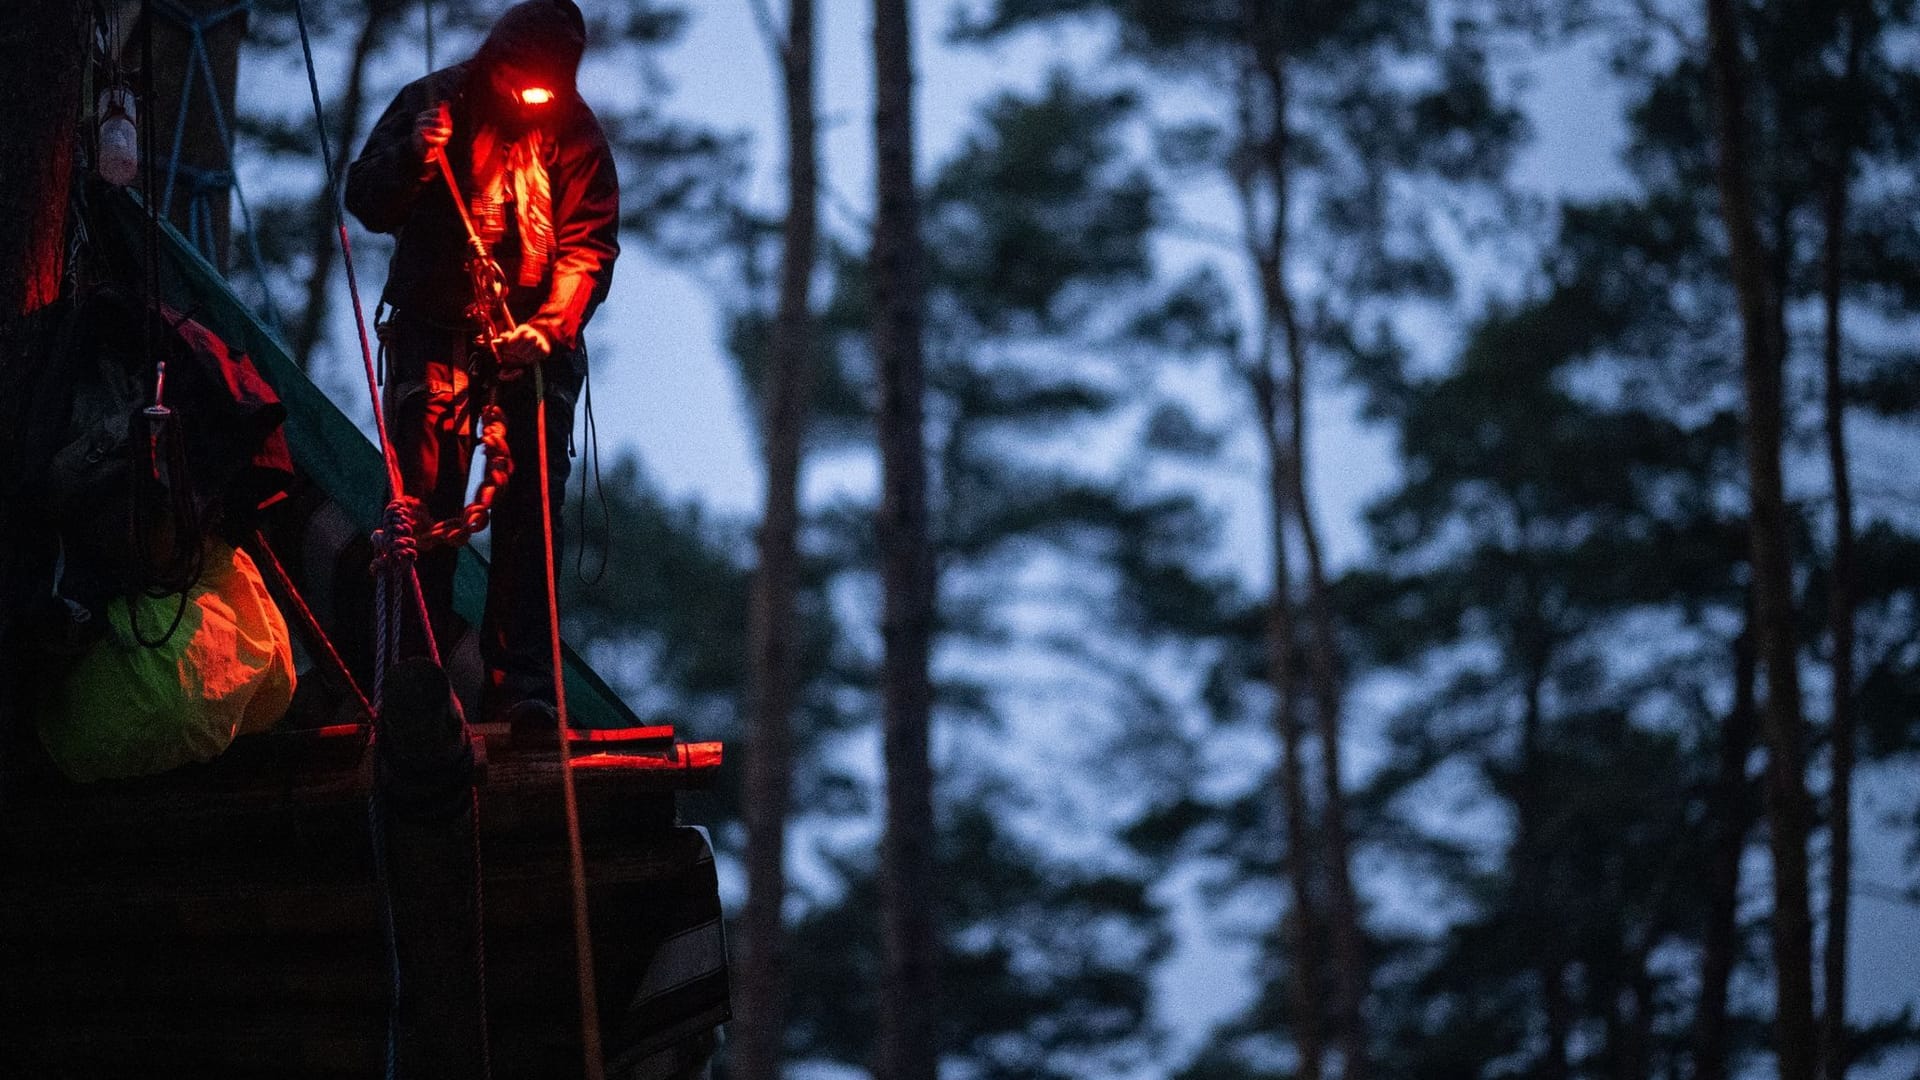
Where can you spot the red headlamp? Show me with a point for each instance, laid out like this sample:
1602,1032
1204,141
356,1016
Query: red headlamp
535,95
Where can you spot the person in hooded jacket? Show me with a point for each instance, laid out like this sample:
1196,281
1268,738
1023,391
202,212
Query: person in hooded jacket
535,171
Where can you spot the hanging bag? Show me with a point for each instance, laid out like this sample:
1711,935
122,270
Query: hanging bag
126,709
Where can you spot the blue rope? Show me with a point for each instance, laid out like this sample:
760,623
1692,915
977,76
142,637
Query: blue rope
205,65
200,67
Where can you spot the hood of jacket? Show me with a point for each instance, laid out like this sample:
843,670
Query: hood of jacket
545,37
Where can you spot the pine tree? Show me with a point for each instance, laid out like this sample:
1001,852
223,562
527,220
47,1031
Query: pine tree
1320,149
1789,813
1037,231
1533,527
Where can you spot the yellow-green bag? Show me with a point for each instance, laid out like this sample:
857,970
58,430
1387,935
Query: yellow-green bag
227,670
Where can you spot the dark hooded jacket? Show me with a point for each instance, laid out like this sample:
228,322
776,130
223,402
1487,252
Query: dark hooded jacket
393,189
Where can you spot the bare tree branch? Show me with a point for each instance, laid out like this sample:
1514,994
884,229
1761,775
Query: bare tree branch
770,32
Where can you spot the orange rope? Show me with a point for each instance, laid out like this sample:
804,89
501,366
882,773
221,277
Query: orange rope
590,1049
582,939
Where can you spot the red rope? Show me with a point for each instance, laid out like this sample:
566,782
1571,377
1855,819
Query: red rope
312,622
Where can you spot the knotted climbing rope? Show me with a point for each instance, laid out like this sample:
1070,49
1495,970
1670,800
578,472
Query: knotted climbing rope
396,577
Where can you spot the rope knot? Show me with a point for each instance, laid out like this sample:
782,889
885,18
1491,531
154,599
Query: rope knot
394,544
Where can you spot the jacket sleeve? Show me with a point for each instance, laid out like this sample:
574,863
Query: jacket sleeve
386,179
586,235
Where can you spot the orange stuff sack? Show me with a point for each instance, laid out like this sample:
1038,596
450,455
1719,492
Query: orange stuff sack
227,670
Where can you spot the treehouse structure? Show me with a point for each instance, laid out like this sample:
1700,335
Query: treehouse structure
340,895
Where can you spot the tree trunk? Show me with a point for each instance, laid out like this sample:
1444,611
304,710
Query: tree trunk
1343,909
1635,1057
1536,900
1840,614
1307,982
1730,811
1304,921
907,1040
323,241
40,81
40,64
774,675
1763,365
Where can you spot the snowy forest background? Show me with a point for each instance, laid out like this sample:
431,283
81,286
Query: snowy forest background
1455,772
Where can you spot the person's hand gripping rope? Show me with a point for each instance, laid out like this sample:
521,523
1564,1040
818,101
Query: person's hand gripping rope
522,346
431,129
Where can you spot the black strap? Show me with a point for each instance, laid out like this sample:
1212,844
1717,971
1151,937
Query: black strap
591,462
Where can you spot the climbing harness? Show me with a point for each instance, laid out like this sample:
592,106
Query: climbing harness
495,453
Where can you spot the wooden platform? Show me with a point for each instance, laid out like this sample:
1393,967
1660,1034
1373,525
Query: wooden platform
224,919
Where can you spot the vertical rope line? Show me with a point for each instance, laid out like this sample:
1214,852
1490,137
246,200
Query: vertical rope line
390,600
380,642
333,176
480,928
377,833
346,251
200,65
576,858
179,124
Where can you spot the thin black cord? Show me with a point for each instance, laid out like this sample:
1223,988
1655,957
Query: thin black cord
145,464
149,281
590,462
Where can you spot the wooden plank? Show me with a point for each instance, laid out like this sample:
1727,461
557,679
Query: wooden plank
120,902
248,996
279,807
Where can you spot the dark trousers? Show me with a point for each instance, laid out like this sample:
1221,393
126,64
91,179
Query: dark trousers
432,413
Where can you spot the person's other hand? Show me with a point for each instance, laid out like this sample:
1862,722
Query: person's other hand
522,347
432,128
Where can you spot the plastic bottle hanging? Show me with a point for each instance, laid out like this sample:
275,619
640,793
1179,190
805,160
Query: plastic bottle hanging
119,161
